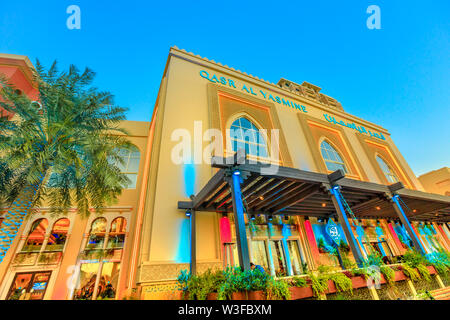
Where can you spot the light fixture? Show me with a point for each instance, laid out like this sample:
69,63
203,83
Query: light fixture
270,217
252,217
237,172
188,213
378,208
414,210
324,204
261,198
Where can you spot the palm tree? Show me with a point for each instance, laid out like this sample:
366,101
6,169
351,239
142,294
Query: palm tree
63,149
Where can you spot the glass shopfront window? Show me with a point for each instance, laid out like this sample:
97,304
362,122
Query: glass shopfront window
29,286
107,286
259,254
278,258
86,285
294,254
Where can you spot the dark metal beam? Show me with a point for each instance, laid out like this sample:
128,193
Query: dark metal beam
212,185
185,205
296,198
336,175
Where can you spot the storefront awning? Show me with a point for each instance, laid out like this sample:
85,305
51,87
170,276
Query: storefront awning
297,192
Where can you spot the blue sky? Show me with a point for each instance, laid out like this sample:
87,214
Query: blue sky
397,77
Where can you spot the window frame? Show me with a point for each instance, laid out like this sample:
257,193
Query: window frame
391,173
336,150
257,127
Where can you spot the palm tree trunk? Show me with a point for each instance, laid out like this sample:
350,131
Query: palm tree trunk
15,216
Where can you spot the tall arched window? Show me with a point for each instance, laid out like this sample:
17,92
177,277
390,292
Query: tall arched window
245,135
117,233
130,165
97,234
387,170
58,236
332,159
36,236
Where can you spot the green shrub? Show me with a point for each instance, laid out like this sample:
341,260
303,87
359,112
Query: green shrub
413,258
319,284
411,273
388,273
236,280
278,290
342,282
424,272
374,259
298,282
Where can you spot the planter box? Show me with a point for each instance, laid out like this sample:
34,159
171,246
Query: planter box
212,296
431,269
256,295
400,276
331,287
301,292
359,282
239,296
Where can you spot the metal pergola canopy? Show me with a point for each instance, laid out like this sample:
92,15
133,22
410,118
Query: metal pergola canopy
297,192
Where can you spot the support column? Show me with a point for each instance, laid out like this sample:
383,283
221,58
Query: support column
343,220
401,214
239,222
193,264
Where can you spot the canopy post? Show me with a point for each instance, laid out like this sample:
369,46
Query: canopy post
238,210
401,214
193,263
343,220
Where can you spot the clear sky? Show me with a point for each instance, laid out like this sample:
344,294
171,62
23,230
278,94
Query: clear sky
397,77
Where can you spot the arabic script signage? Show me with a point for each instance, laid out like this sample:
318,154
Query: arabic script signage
353,126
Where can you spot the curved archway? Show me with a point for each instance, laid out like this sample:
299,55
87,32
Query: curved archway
58,236
117,233
97,234
36,235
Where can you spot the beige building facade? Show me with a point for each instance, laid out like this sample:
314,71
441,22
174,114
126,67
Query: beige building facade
142,243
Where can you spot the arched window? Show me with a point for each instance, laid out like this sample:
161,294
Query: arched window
387,170
245,135
130,166
58,236
97,234
332,159
117,233
36,236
